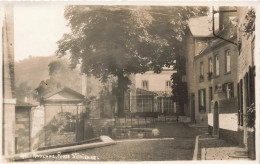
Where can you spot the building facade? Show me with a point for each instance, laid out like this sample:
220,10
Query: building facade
222,87
9,101
151,92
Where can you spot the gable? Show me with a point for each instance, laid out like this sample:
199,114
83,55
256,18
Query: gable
65,95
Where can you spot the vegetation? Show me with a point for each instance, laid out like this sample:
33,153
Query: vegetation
120,41
60,75
249,26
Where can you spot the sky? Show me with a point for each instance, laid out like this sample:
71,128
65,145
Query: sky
37,28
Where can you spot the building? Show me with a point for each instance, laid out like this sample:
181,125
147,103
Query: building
198,37
221,89
67,106
246,81
151,92
9,101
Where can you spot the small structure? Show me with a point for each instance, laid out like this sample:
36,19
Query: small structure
64,111
23,126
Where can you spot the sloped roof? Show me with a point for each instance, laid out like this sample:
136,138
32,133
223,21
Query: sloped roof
202,26
163,93
140,91
64,89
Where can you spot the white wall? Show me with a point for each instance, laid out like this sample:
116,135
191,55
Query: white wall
226,121
157,82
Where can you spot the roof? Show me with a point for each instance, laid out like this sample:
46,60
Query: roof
153,93
24,104
140,91
75,94
163,93
202,26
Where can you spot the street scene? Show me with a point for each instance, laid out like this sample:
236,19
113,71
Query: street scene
128,82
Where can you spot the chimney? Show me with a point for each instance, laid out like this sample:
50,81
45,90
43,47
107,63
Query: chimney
25,99
83,84
224,17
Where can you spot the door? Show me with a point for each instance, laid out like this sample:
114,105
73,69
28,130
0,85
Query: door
192,107
216,120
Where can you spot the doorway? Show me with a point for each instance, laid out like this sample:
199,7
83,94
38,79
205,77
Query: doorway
216,120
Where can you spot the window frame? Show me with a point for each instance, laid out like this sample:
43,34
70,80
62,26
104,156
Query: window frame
202,108
166,85
227,52
215,65
147,84
210,65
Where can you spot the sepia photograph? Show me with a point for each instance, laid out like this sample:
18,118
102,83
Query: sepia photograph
128,82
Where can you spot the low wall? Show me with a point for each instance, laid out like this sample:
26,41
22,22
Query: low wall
97,127
226,121
237,137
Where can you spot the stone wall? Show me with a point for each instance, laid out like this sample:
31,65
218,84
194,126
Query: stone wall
237,137
37,128
96,127
22,129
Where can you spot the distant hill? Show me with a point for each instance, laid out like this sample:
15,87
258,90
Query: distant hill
32,70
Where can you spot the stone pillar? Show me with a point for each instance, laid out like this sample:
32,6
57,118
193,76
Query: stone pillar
7,25
37,130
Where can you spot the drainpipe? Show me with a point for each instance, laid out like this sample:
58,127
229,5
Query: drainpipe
213,26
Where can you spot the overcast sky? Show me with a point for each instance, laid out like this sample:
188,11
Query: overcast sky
37,28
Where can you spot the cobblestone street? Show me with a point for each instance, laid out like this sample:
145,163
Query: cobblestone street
175,142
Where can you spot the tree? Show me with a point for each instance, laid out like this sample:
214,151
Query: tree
120,41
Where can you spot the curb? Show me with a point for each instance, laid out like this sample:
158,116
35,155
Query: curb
106,141
196,148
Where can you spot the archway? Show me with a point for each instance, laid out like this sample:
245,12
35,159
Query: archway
216,120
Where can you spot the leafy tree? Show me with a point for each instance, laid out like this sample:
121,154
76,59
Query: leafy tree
249,25
120,41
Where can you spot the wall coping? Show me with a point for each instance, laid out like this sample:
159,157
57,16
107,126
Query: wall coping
9,101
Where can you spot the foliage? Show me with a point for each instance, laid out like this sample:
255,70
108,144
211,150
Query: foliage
60,75
118,41
251,116
62,122
249,25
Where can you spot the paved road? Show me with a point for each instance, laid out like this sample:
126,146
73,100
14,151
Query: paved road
178,146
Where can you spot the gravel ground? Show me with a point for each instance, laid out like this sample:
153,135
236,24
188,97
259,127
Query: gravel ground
179,148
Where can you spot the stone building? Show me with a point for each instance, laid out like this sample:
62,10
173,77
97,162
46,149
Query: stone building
151,92
221,89
9,101
246,84
198,37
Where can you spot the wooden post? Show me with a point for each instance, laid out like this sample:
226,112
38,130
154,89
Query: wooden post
77,125
131,121
145,122
138,121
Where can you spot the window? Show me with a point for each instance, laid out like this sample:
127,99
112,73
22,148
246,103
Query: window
145,85
201,68
227,55
210,65
217,65
168,85
210,93
202,102
229,90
